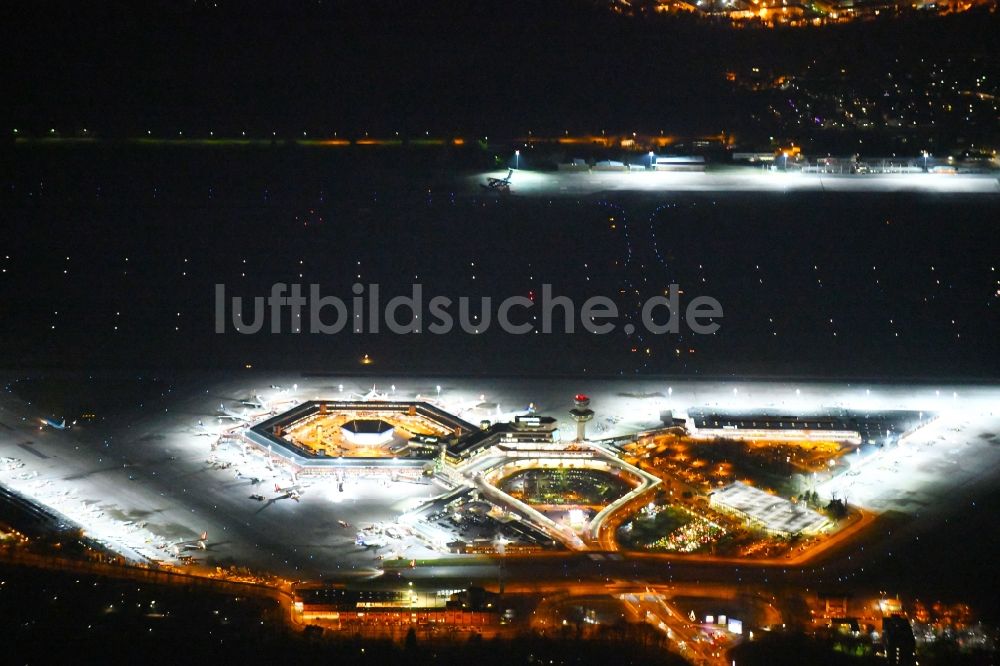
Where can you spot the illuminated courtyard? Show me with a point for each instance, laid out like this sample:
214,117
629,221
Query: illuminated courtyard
361,431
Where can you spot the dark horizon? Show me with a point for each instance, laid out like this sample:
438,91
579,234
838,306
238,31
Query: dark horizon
472,69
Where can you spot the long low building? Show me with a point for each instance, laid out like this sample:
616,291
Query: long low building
774,514
679,163
882,427
773,426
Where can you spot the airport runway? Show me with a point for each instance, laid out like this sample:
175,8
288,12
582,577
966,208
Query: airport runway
734,179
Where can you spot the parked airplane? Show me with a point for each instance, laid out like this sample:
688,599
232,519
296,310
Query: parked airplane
256,401
57,425
373,394
201,543
293,491
499,184
370,541
201,430
245,417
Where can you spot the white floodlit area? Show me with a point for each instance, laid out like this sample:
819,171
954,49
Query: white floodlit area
775,514
735,179
148,479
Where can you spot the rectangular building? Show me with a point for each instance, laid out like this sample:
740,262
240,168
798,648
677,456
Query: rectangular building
774,514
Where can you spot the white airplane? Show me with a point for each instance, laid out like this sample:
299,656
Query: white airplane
55,425
201,543
256,401
293,491
201,430
459,405
245,417
510,416
224,413
370,541
373,394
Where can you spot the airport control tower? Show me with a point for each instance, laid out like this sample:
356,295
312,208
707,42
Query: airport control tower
581,413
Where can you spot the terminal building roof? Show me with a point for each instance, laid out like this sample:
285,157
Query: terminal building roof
775,513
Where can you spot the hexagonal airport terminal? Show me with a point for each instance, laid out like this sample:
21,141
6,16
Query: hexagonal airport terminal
325,436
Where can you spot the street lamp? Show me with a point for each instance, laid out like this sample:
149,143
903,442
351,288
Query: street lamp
926,155
517,159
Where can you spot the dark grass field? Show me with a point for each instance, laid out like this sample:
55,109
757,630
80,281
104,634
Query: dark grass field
112,252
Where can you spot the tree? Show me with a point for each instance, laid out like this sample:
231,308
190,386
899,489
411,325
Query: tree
410,644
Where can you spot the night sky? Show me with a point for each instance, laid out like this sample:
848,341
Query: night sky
449,67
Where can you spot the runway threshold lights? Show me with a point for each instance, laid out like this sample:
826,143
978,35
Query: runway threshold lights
581,413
